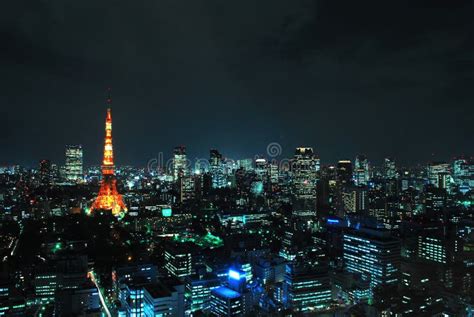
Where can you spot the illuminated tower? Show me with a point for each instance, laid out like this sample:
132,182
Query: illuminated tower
108,197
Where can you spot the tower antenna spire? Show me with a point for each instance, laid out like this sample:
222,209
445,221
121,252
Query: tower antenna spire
109,97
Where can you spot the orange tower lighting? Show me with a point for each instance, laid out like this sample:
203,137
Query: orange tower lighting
108,197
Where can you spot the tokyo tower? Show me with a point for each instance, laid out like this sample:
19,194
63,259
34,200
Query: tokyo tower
108,197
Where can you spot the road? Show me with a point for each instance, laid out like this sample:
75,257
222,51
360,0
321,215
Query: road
101,297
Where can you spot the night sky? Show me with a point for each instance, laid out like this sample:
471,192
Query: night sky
384,78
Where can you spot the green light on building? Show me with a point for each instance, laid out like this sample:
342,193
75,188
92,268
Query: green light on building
166,212
207,241
57,247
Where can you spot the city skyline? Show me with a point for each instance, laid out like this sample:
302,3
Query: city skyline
165,156
270,158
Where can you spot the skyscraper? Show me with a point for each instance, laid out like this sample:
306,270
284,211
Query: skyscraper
45,171
73,168
304,167
463,173
216,169
354,199
261,169
180,167
437,169
188,186
389,169
344,172
361,171
306,286
108,197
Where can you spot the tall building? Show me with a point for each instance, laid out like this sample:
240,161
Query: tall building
65,272
217,169
344,172
226,302
73,167
78,301
432,249
306,288
435,199
270,270
374,254
132,300
245,164
261,169
46,283
273,173
463,174
198,291
124,275
389,169
178,261
361,171
165,298
438,174
108,197
355,199
188,187
180,167
304,167
433,246
45,172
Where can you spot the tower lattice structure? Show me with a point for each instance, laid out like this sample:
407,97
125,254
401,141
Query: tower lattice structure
108,197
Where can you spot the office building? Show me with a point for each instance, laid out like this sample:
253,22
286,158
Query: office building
306,288
45,285
165,298
45,172
438,174
198,291
374,254
132,299
73,166
344,172
355,199
178,260
180,162
361,171
261,169
226,302
78,301
217,169
304,168
389,169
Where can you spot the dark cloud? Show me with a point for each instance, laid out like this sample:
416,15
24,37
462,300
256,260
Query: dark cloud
379,77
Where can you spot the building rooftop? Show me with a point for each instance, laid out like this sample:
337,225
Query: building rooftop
226,292
157,290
